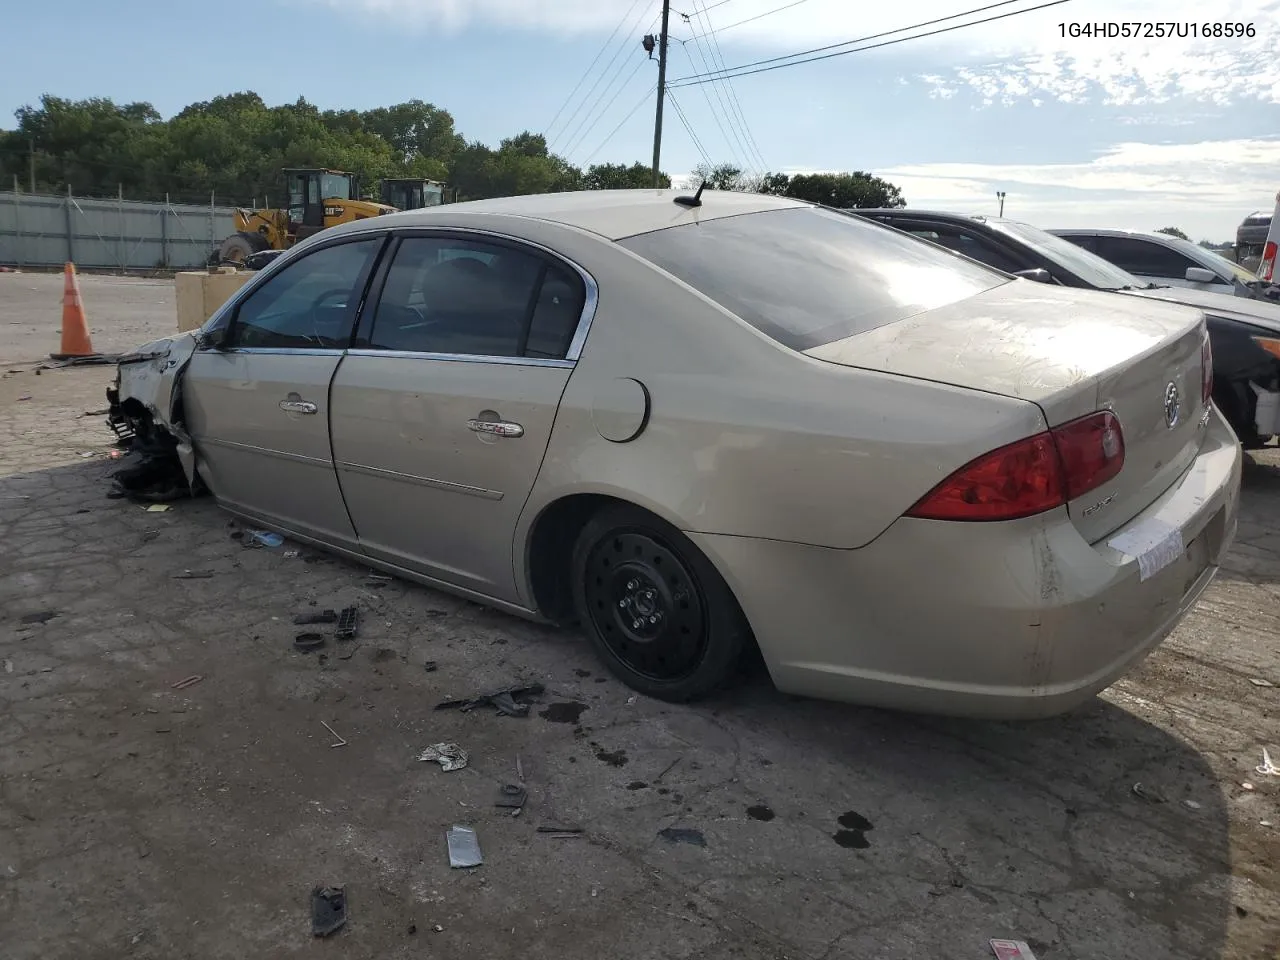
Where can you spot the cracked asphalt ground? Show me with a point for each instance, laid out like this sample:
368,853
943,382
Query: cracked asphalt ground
139,819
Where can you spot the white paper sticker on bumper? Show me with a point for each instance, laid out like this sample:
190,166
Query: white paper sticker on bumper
1154,543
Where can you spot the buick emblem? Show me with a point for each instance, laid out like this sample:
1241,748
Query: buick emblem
1172,406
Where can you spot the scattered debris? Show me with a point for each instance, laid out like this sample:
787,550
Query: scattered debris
8,666
266,538
511,796
190,681
1149,794
306,642
683,835
16,497
351,652
44,616
340,742
1194,805
348,623
519,769
450,756
1260,682
558,831
507,702
96,413
1012,950
430,666
438,929
290,554
1246,785
158,508
1267,767
328,910
377,580
670,766
323,616
193,575
464,847
1265,823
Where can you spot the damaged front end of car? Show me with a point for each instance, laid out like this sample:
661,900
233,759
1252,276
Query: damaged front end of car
145,414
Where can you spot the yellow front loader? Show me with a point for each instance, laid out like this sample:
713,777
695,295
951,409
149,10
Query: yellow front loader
317,199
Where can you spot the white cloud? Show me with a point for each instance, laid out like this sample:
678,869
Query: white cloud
1205,188
1021,57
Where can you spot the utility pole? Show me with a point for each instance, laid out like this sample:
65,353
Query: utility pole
1000,194
662,93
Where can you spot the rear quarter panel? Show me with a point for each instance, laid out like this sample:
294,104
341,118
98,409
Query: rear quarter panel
744,437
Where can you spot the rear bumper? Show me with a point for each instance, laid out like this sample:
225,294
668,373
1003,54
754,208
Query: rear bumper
1010,620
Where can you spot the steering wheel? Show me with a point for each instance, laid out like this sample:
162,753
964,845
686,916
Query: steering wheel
315,305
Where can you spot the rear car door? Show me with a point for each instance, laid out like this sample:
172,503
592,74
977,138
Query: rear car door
1151,261
258,405
443,408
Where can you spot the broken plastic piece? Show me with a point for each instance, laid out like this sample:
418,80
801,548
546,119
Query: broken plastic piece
1149,794
1012,950
336,736
328,910
450,756
306,642
1267,767
187,682
683,835
464,847
157,508
265,537
1260,682
348,623
323,616
511,796
505,701
560,828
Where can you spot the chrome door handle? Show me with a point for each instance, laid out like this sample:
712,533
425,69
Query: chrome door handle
496,428
298,406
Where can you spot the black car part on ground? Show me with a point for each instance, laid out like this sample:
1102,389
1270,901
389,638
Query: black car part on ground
1239,361
151,472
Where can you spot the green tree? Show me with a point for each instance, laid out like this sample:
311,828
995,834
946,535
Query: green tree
618,176
844,190
720,176
1173,232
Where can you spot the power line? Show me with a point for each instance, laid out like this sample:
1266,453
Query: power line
587,72
617,53
743,70
586,131
684,121
758,16
733,94
612,133
715,115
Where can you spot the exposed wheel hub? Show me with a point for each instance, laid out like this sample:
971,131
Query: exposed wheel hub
646,605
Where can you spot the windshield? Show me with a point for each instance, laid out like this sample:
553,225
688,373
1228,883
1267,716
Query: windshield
1089,267
1197,252
807,277
334,186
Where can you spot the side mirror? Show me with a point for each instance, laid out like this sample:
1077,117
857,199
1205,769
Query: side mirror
214,339
1200,275
1038,274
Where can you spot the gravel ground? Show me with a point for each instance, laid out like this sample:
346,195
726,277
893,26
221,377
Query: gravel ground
142,819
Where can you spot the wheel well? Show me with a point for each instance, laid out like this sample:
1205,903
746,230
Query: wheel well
551,547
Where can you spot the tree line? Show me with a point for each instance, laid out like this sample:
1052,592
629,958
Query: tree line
235,146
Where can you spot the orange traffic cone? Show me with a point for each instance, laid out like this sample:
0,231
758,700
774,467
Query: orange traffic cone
75,328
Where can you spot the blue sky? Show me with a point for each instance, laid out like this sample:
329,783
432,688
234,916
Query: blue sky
1137,133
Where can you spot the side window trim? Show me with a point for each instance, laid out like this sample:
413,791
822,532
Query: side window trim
591,298
362,284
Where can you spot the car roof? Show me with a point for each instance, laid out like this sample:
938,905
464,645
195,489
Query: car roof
611,213
1144,234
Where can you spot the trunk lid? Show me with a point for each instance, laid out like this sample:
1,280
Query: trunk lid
1071,352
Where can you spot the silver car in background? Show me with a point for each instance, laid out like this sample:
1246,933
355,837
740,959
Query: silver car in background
694,423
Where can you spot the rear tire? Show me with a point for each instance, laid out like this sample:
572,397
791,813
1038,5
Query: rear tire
239,246
654,608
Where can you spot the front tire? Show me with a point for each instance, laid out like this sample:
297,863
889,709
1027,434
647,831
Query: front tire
239,246
654,608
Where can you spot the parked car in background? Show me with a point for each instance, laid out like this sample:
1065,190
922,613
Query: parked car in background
1251,236
1245,333
1170,261
686,422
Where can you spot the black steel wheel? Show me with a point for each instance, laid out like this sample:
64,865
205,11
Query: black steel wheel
657,612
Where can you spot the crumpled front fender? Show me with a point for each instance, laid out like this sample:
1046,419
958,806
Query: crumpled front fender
151,377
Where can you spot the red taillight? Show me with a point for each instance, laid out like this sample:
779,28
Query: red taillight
1266,269
1030,476
1206,370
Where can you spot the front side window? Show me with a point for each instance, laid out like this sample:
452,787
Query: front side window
806,277
448,295
309,303
334,187
970,246
1144,257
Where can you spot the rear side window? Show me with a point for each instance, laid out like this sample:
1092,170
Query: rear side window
475,298
806,277
1144,257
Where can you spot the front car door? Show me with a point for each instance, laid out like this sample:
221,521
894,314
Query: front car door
257,406
443,408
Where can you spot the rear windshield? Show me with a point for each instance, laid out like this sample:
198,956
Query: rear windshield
808,277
